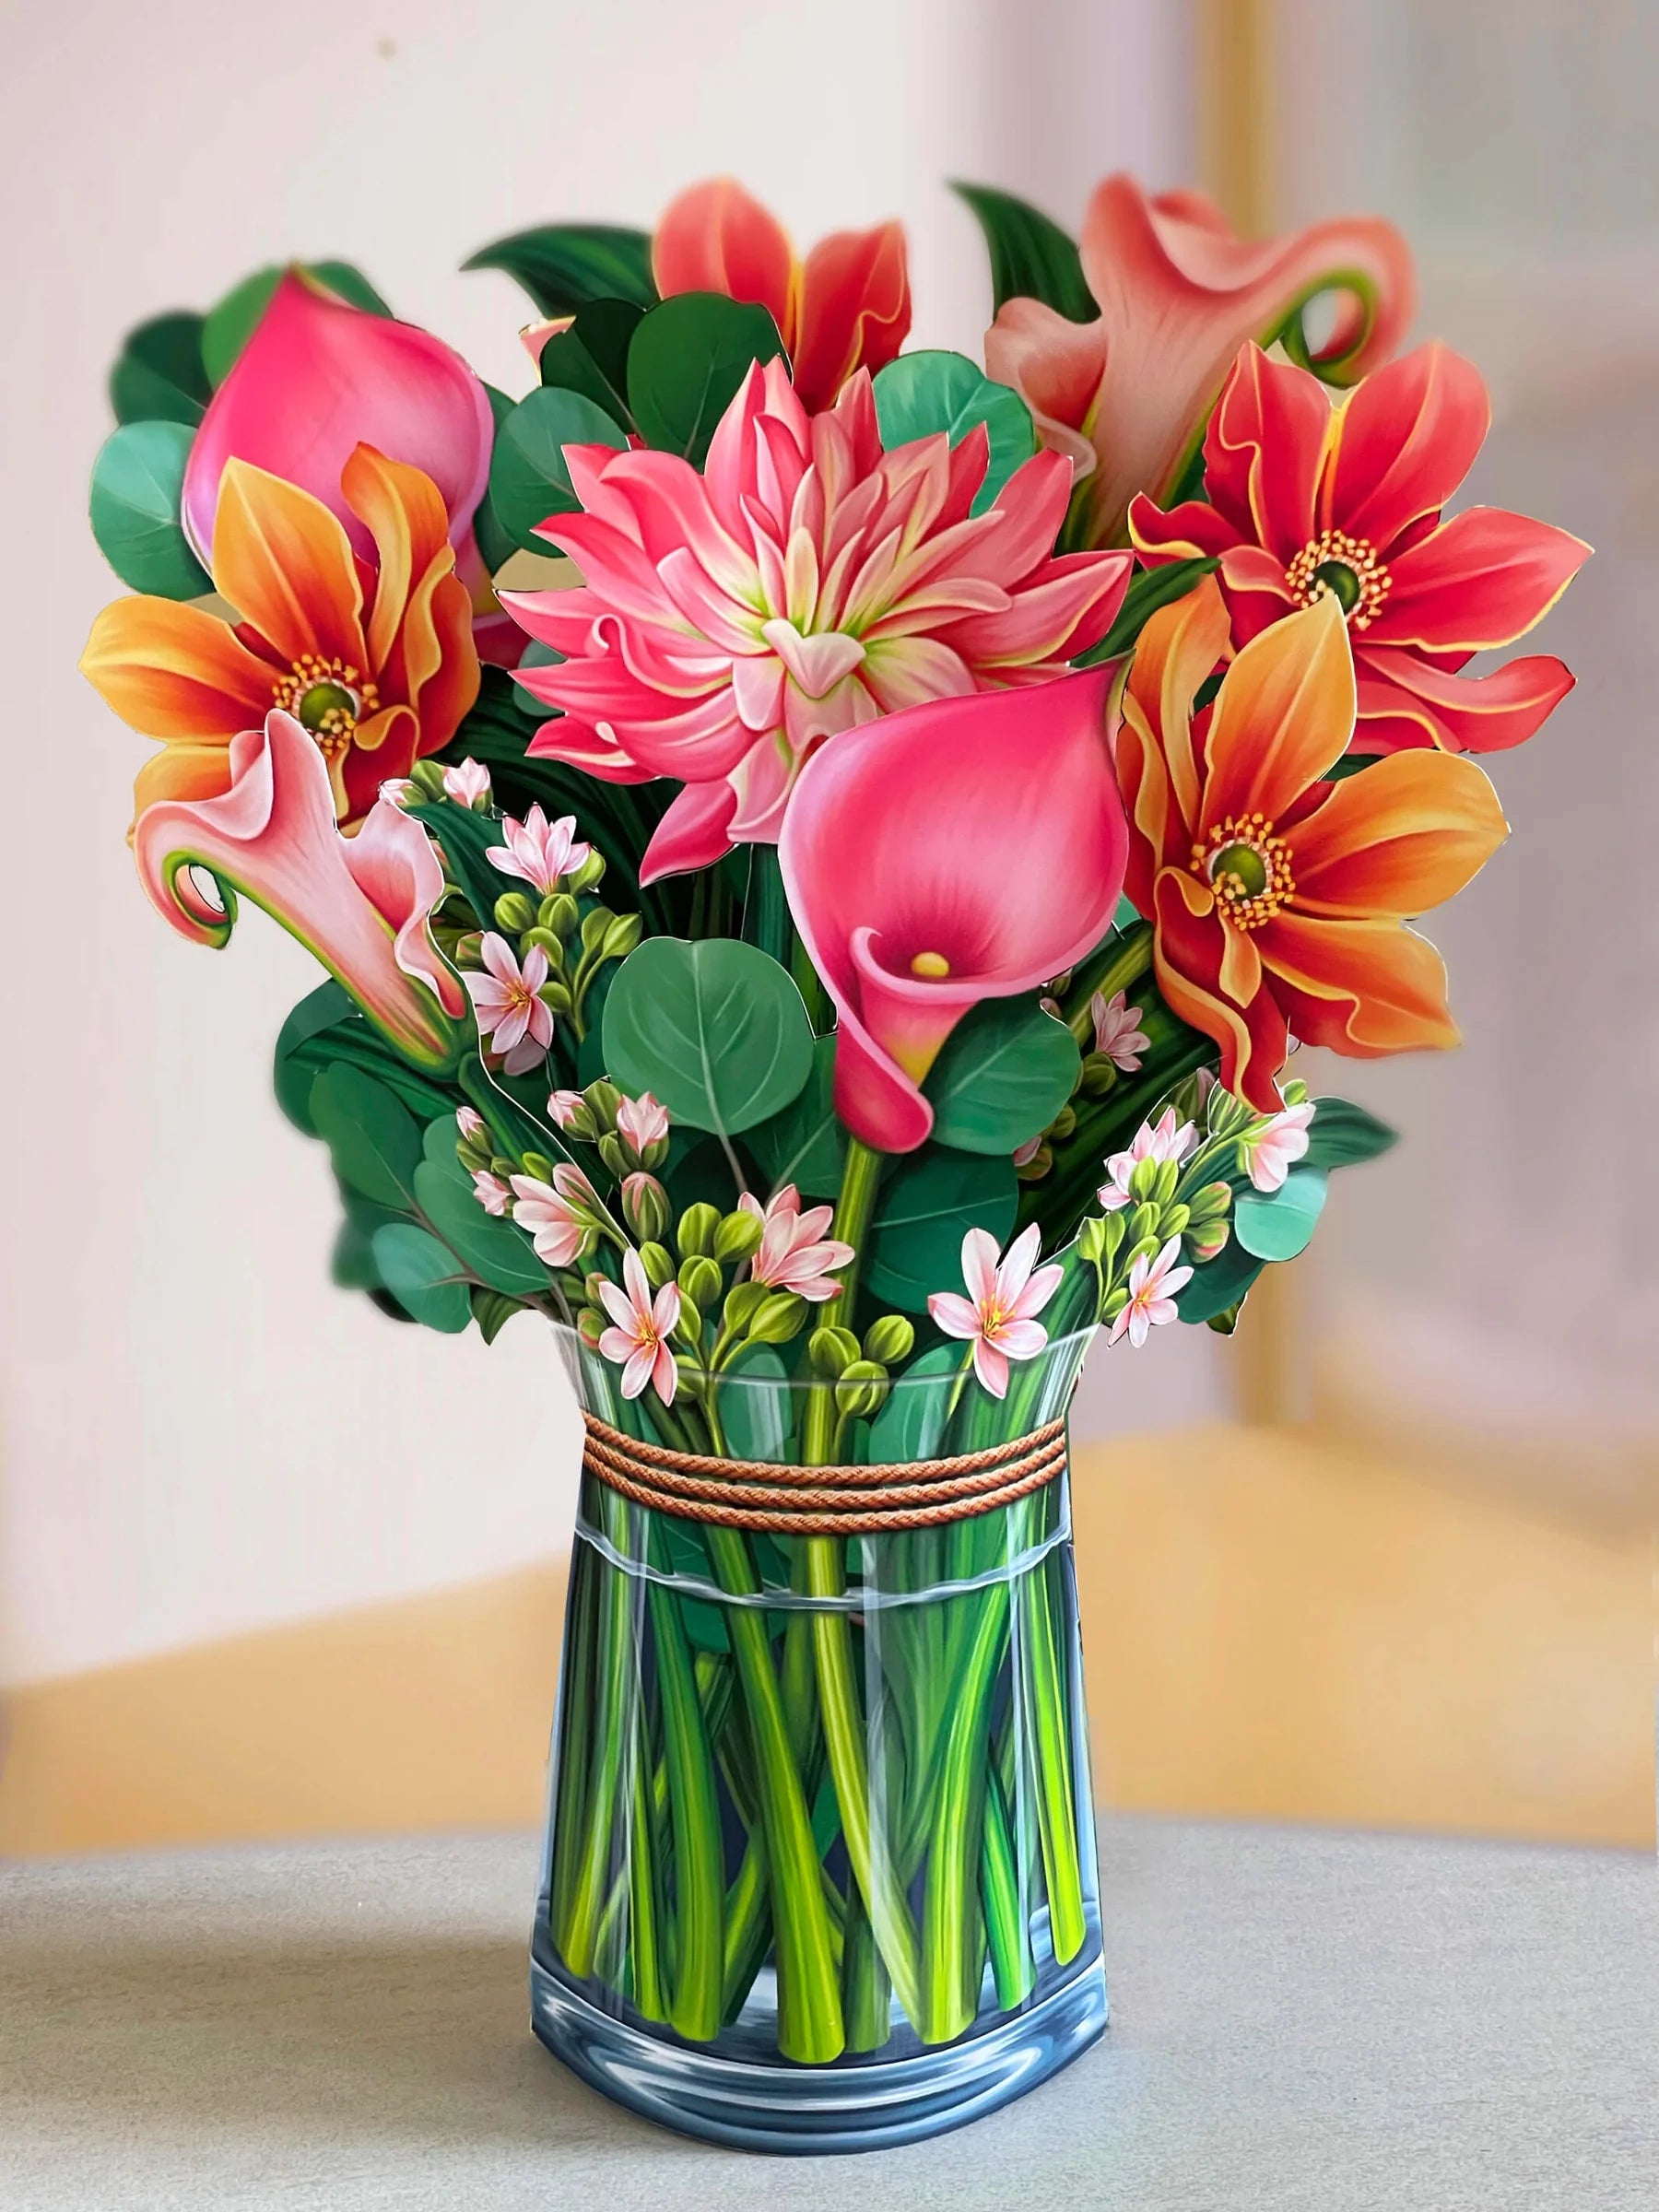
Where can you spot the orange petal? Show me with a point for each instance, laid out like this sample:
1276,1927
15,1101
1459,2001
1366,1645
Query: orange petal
1363,988
182,771
1398,838
1283,713
286,565
1178,648
718,238
1190,952
174,671
410,528
446,696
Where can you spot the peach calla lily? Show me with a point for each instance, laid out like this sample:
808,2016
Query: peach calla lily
377,660
317,379
1304,498
1278,900
962,849
360,903
1125,396
845,307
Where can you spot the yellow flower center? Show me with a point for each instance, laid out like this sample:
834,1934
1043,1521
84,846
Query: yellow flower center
930,964
1343,567
328,698
1247,867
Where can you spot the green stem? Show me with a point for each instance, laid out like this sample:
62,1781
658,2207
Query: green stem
575,1744
1001,1896
1043,1690
646,1916
613,1706
700,1870
950,1956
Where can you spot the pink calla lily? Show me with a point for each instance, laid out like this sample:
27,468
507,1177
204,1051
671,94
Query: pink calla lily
318,378
359,904
1127,394
964,849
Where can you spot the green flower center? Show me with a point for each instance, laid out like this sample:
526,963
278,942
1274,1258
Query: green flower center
1243,865
1340,582
326,706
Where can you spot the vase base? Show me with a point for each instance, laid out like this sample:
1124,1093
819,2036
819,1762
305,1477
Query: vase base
816,2110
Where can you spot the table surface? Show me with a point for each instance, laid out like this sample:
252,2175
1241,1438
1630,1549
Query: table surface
1300,2020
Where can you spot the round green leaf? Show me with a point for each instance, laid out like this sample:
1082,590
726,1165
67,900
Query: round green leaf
231,325
807,1144
1278,1227
716,1031
591,357
921,393
421,1275
497,1253
1002,1076
685,363
159,376
528,479
373,1138
1219,1284
137,481
927,1205
911,1424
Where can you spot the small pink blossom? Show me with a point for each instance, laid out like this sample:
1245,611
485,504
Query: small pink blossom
1115,1033
489,1191
556,1216
998,1315
504,998
564,1106
1164,1142
537,850
642,1121
1271,1151
639,1341
397,791
1153,1283
793,1254
468,780
470,1123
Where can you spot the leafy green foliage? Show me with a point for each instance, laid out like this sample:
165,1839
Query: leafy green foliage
911,1424
755,1409
465,838
1149,590
528,477
927,1207
421,1275
565,266
373,1138
716,1031
1032,257
352,1264
326,1027
497,1253
806,1144
137,481
921,393
1218,1287
159,376
495,547
1341,1134
231,325
1002,1075
591,357
1277,1225
685,362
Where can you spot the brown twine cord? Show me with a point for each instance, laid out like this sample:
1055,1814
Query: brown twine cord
822,1501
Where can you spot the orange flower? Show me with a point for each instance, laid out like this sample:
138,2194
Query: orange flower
1280,901
375,660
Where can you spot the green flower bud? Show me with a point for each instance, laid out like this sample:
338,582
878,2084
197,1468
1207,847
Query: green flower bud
1143,1180
1037,1167
737,1237
555,997
863,1387
590,1324
1142,1224
616,1159
831,1349
1091,1239
645,1207
779,1319
427,779
475,1159
602,1099
700,1279
1174,1221
538,1165
1064,1122
890,1340
696,1227
1099,1074
1115,1303
545,941
657,1262
514,913
592,1287
556,913
621,938
1213,1203
594,927
590,873
503,1167
744,1300
469,950
1164,1181
690,1324
1294,1092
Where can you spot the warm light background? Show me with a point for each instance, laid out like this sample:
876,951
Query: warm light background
270,1564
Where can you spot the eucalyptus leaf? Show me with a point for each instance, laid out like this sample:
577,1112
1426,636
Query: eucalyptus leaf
492,1311
352,1264
807,1142
495,547
911,1424
291,1078
1001,1076
921,395
1277,1227
564,266
138,483
926,1205
421,1275
685,363
529,479
159,376
1341,1134
716,1031
1217,1285
754,1402
374,1140
1032,257
591,357
497,1253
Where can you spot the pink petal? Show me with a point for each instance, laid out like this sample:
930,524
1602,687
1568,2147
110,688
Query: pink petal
979,1266
954,1315
991,1368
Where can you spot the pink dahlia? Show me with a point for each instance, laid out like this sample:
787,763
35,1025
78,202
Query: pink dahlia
804,583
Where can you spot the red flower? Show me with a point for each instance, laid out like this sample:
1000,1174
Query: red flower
1308,498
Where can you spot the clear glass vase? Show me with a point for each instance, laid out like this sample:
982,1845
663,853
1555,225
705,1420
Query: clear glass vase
820,1871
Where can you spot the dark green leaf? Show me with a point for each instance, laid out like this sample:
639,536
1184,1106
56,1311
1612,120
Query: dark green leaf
1342,1134
492,1311
1278,1227
528,478
564,266
1002,1076
716,1031
421,1275
291,1078
495,547
1351,764
1219,1283
1032,257
352,1265
927,1207
807,1144
465,838
755,1405
159,376
921,393
231,325
497,1253
591,357
910,1425
374,1140
686,360
136,483
1149,590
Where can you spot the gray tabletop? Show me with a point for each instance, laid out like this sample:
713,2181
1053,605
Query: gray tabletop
1299,2020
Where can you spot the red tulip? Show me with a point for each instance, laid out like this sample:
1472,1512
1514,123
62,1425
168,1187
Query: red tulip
964,849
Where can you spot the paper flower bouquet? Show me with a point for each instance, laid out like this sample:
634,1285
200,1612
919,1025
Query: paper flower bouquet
822,854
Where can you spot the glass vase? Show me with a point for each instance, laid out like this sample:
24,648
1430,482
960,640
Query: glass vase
820,1871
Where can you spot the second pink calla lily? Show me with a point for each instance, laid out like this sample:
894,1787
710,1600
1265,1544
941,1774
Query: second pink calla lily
962,849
